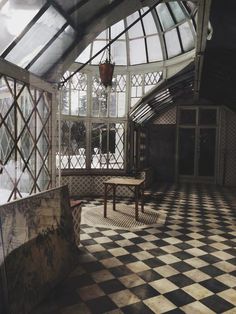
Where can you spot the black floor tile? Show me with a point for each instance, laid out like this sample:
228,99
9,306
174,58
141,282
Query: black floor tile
179,297
181,280
136,308
214,285
182,266
120,271
154,262
111,286
101,305
217,304
211,270
149,275
133,248
128,258
144,292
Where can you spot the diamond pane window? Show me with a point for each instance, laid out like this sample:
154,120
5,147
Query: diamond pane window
74,96
107,149
73,145
141,83
25,133
99,99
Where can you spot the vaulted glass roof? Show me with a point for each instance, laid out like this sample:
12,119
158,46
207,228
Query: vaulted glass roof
161,34
39,34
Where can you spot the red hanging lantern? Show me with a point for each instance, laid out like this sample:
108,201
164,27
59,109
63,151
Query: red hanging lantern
106,70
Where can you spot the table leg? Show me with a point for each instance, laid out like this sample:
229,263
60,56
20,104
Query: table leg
142,198
136,202
114,197
105,200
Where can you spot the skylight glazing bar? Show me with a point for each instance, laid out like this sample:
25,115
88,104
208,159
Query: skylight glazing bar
77,6
63,13
46,46
145,39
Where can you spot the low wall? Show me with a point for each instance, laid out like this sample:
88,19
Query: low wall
37,248
92,185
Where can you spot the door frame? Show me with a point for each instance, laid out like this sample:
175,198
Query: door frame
197,127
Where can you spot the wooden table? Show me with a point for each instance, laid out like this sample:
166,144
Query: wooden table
137,184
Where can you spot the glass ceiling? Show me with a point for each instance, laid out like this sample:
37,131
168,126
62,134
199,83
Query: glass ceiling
36,34
165,32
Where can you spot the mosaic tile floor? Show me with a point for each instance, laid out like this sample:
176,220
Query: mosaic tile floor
188,265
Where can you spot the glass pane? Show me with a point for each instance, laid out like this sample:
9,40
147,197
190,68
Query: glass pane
103,35
207,116
99,99
206,164
14,17
177,10
137,51
186,151
54,52
136,30
65,143
85,55
118,52
117,29
98,140
186,36
148,22
78,98
96,46
164,16
65,105
172,43
36,38
116,146
154,49
77,145
187,116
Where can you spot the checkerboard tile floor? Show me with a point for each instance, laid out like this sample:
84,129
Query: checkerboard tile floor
186,266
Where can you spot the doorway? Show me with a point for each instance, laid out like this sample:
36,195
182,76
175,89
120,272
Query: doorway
197,134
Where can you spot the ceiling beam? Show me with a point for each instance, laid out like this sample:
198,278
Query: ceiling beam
202,34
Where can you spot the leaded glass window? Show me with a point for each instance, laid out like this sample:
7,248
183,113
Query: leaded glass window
109,102
107,145
74,94
142,83
25,139
73,145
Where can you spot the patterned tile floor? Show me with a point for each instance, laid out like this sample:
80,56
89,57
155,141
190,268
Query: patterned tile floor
187,265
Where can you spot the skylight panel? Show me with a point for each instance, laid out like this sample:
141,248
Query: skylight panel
36,38
14,18
164,16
